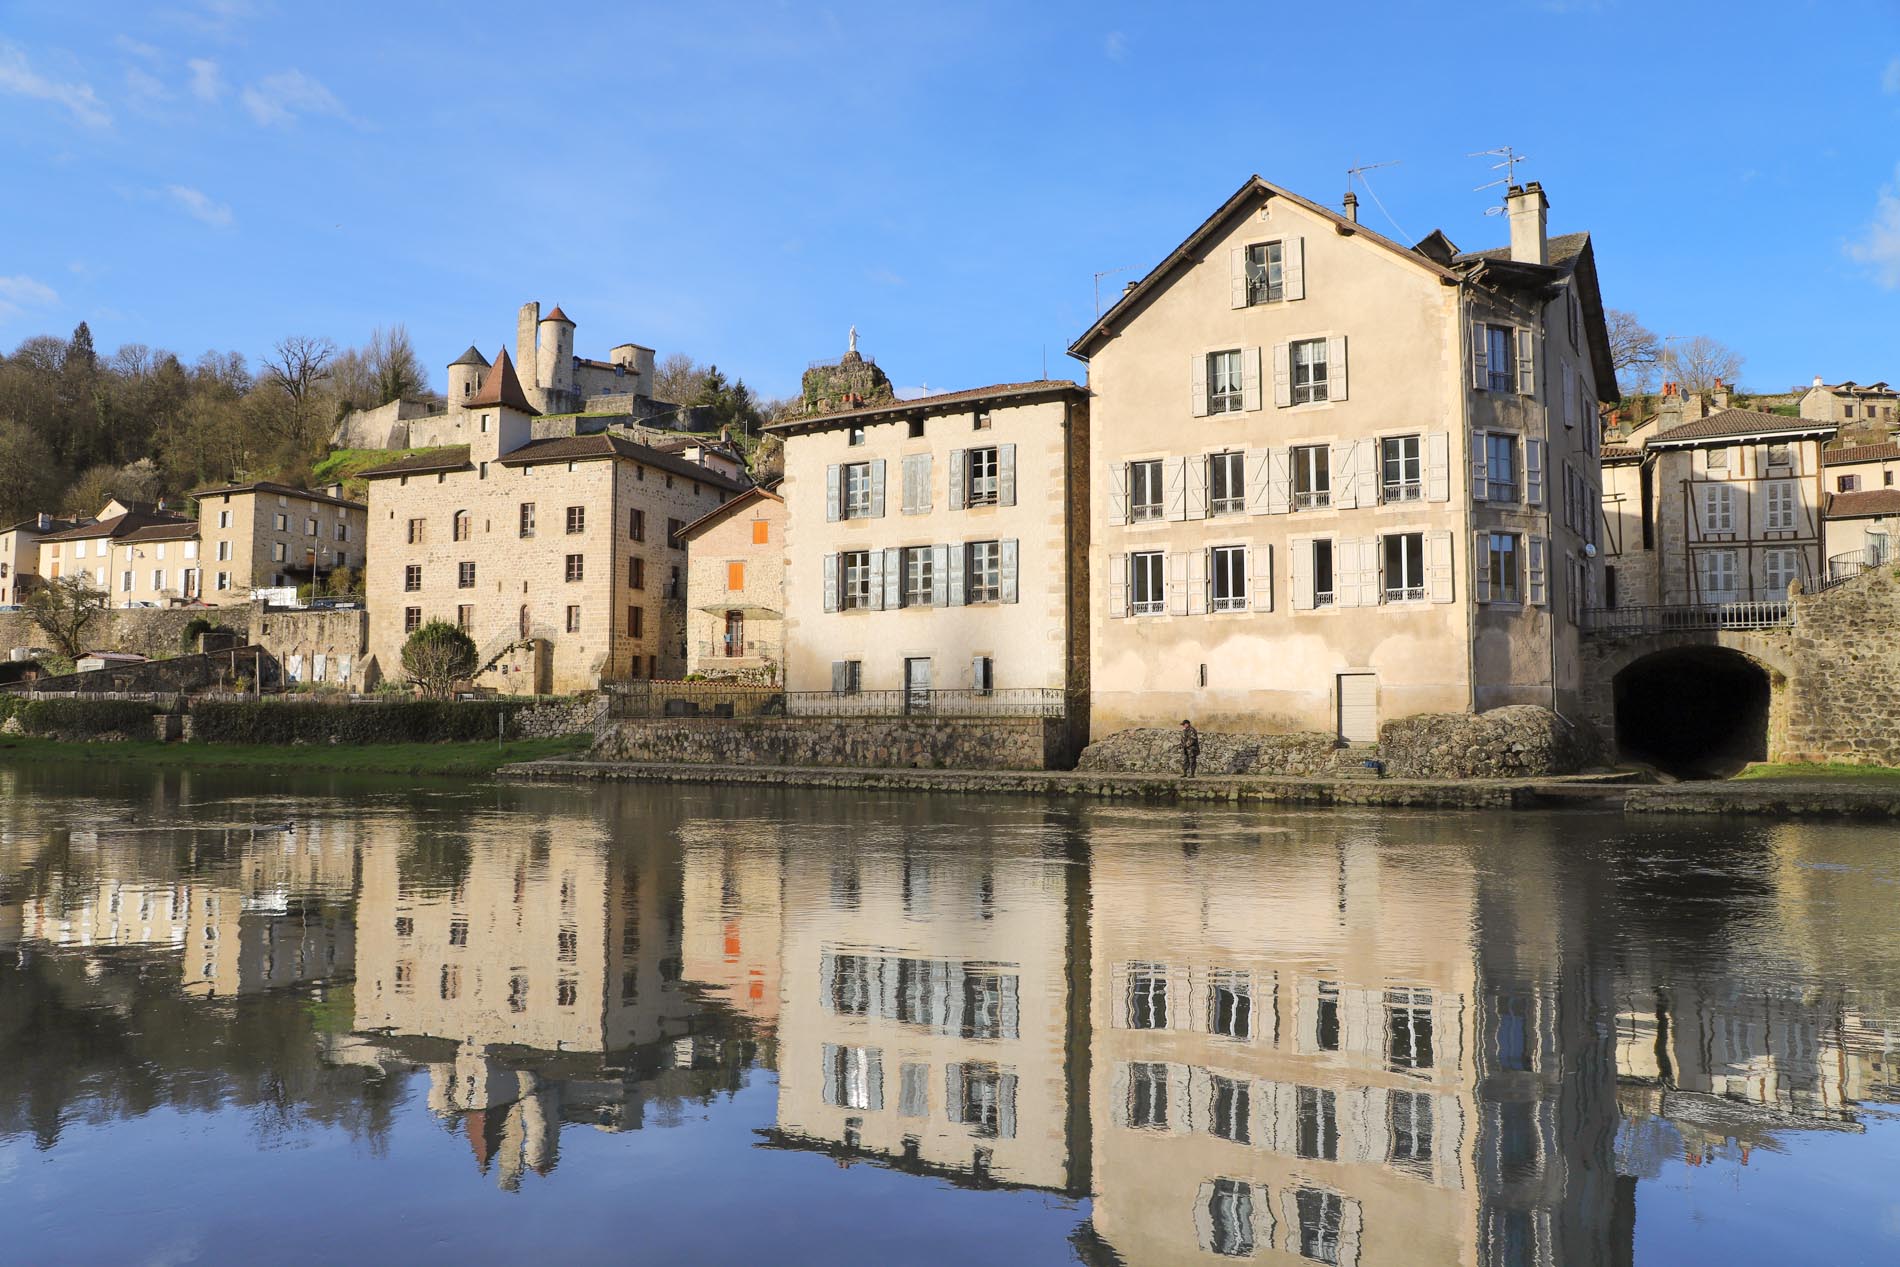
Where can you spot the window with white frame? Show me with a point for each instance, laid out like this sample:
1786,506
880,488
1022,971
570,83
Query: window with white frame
1146,495
857,490
1718,508
1147,584
1147,1107
125,583
1230,1005
1500,359
1500,467
1402,558
855,570
1317,1134
1230,1218
984,571
1312,477
1410,1127
919,576
1779,568
1323,572
1227,578
1266,272
1503,570
224,519
1224,390
1309,371
1321,1216
1226,483
1147,998
1721,575
1780,516
979,467
224,551
1230,1109
1408,1014
1401,469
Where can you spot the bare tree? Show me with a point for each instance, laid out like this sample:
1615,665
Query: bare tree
394,365
678,378
297,370
1634,350
64,608
1701,364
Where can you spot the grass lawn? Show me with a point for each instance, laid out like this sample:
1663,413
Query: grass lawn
453,759
1800,770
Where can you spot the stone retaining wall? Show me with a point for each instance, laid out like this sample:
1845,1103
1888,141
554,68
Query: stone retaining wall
150,631
1157,750
550,719
867,742
1517,741
1843,697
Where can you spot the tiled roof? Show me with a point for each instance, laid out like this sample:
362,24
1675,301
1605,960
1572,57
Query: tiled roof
1737,424
603,445
1866,501
555,314
471,357
1561,249
282,490
33,525
1888,452
454,457
184,530
502,389
752,494
119,525
999,392
605,365
1620,453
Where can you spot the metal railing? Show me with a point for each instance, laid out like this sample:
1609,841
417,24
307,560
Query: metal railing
733,649
1842,568
1689,617
650,700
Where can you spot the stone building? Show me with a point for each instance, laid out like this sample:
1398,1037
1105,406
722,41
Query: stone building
913,563
1380,497
735,588
139,555
20,555
1862,503
1864,412
561,557
264,535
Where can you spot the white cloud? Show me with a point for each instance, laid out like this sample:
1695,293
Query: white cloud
207,82
18,77
215,18
200,206
1890,82
883,277
280,98
1115,44
145,86
21,291
1879,247
138,49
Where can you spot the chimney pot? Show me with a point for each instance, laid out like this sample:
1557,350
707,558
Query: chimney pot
1352,206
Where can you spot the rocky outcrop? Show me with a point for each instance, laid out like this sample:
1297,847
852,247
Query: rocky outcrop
1157,750
1515,742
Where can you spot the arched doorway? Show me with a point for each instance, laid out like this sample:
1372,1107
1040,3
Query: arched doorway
1693,712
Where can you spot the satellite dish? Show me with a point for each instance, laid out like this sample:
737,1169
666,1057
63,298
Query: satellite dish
1589,550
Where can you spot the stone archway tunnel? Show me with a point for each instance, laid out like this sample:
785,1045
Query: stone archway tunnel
1693,712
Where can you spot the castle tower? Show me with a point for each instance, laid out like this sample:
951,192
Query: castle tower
465,376
527,321
554,362
506,418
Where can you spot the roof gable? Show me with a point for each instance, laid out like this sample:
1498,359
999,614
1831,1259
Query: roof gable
501,389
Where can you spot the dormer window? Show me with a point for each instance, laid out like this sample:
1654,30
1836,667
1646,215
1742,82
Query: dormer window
855,436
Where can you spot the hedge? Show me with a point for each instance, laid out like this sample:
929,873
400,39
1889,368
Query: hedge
83,718
401,721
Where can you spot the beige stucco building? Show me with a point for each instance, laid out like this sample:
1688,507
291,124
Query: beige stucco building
1870,411
735,588
560,556
20,555
139,556
939,544
1379,494
263,535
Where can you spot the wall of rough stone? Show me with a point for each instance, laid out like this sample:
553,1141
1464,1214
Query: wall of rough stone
887,742
1518,741
1157,750
1843,697
573,715
149,631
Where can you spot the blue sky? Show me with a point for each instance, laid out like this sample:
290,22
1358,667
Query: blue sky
744,181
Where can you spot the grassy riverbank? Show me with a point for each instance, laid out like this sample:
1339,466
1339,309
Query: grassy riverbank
444,759
1876,774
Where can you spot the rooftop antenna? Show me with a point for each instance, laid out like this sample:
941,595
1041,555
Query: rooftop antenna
1511,158
1358,172
1108,272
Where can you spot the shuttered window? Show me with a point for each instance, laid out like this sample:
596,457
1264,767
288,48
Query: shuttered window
1780,516
1312,477
1500,367
1402,567
1224,390
1500,467
857,490
1401,469
1227,578
856,579
1310,378
919,576
1145,490
1147,583
1718,508
1266,272
984,572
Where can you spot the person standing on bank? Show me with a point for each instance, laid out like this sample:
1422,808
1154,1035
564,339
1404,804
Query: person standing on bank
1190,749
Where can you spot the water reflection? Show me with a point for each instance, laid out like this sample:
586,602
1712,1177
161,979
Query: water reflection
1349,1040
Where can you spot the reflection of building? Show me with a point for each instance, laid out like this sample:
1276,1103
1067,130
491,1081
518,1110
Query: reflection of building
926,1020
732,919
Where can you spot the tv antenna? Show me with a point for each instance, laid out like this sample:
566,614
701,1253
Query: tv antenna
1358,172
1108,272
1511,158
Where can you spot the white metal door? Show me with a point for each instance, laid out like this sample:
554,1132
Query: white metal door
917,684
1359,707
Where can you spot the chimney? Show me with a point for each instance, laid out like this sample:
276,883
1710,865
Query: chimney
1352,206
1693,407
1527,208
45,521
1718,396
1817,380
1128,287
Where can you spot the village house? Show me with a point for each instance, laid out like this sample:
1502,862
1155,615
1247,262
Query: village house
263,535
1380,496
1862,504
138,554
939,544
561,557
735,588
20,555
1864,411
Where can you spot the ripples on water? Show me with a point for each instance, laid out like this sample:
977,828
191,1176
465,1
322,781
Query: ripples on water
709,1025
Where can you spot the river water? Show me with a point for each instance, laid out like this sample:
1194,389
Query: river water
248,1020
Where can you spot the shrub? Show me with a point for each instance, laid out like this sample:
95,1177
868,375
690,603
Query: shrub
437,656
405,721
197,625
81,719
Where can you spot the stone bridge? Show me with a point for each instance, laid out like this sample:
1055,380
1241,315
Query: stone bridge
1820,682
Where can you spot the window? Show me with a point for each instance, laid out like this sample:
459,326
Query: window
673,527
919,576
1404,566
1227,579
857,490
1321,1215
412,577
125,583
1408,1016
735,575
636,574
517,994
1226,483
1230,1005
1266,272
1780,506
1780,455
982,675
223,583
1718,508
1323,572
465,617
1847,411
1148,1096
459,526
576,567
1230,1218
1326,1017
158,578
1499,359
342,531
574,618
1513,1032
224,551
1309,371
309,527
979,467
1846,483
1502,572
636,525
1224,393
1317,1138
1718,459
280,523
576,519
1147,1001
1229,1109
984,571
1144,491
1721,575
982,422
1401,470
855,569
279,552
411,616
847,677
527,519
855,436
1147,588
636,622
224,519
1500,467
1409,1126
761,531
415,532
465,576
1312,477
1779,567
1517,1140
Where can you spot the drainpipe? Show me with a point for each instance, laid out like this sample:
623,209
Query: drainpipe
1463,374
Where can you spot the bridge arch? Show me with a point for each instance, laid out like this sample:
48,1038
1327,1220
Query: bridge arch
1694,704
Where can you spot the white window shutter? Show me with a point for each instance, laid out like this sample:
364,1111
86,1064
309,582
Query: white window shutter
1197,384
958,493
1250,378
1237,277
1178,583
1006,475
1118,494
1366,473
1117,585
1293,267
838,671
1196,486
1537,552
877,488
1336,367
1438,467
1342,468
1282,375
1480,373
1438,565
831,581
1196,582
1480,479
1260,577
1533,471
1280,485
1570,401
833,493
874,566
954,593
939,575
1345,572
1302,548
1481,568
1259,475
1177,488
1008,567
1526,363
893,578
